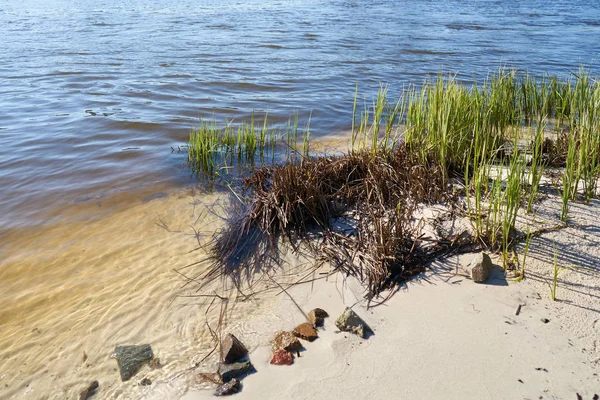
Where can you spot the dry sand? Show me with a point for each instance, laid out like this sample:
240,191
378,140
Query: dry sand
442,336
437,340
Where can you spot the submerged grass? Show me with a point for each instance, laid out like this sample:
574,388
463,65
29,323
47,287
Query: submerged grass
495,139
214,148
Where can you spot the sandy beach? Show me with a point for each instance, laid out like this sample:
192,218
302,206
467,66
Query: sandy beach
439,336
439,339
442,336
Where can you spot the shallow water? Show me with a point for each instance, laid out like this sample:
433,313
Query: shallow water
96,98
93,95
88,286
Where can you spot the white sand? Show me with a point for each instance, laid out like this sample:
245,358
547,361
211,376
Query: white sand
433,340
446,337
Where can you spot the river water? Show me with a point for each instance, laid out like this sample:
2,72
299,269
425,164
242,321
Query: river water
96,99
93,95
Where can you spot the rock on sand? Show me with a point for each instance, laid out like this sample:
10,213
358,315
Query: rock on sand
480,267
233,349
349,321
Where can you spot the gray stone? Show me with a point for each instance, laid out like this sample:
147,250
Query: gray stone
233,349
480,267
231,387
349,321
235,370
146,382
131,358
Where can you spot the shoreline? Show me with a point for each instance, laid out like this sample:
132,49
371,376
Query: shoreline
90,272
567,336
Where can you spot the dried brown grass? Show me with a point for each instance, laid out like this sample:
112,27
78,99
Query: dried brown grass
374,192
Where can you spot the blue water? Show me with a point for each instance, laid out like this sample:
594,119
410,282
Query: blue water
94,94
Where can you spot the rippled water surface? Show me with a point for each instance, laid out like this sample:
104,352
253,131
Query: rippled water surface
93,95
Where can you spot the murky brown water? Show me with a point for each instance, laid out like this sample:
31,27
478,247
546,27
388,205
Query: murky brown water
97,97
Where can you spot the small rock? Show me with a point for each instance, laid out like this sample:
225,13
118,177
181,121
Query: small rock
349,321
84,357
480,267
233,349
282,357
131,358
306,331
235,370
155,363
317,316
146,382
286,341
545,320
87,393
226,389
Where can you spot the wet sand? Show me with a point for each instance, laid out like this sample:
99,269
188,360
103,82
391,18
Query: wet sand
94,282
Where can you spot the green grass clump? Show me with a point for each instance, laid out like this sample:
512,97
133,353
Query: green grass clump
469,130
213,148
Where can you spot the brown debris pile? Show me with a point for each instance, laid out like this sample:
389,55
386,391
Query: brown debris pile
373,192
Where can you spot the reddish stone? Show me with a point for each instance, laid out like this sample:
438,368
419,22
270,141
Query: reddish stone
282,357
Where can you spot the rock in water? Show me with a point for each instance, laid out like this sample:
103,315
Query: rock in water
282,357
231,387
87,393
480,267
317,316
233,349
235,370
146,382
306,331
155,363
131,358
349,321
286,341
